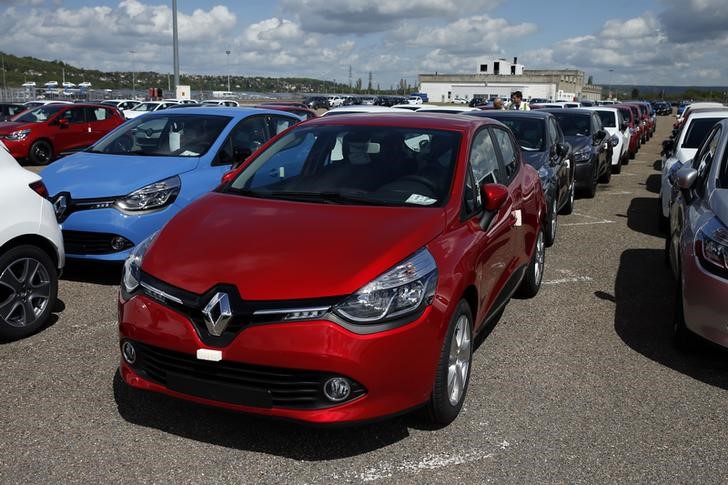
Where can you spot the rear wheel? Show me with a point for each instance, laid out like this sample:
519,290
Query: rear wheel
41,152
534,273
551,224
607,175
28,289
618,167
591,191
569,207
453,369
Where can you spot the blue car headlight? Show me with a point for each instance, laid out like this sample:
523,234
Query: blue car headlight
152,196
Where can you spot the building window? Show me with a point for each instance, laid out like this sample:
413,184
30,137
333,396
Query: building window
496,68
513,70
484,68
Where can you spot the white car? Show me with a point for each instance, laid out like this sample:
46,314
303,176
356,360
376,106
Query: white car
614,123
43,102
364,109
414,107
181,101
31,251
147,107
220,102
414,100
335,101
700,104
459,100
446,109
682,149
121,104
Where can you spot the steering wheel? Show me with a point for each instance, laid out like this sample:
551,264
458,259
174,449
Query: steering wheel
421,180
124,143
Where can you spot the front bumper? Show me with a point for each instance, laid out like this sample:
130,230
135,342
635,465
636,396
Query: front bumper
704,302
396,368
19,149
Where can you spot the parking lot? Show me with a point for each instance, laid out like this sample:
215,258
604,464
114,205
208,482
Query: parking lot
580,384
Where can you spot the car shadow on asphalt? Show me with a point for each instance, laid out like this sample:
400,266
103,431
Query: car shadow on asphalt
108,274
642,216
654,183
643,293
264,435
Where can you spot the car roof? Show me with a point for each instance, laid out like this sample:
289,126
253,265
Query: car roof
364,109
610,108
228,111
582,111
496,113
708,114
434,121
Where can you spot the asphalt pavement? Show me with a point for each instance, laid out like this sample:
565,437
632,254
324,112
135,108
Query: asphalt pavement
580,384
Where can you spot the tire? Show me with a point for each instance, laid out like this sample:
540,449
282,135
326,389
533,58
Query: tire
591,191
663,223
41,152
28,290
616,169
453,367
631,156
569,206
551,225
683,338
607,177
534,273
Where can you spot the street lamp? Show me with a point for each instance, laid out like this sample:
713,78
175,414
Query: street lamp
227,52
611,71
175,44
133,75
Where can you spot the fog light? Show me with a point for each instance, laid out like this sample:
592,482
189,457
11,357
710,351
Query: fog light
128,352
337,389
118,243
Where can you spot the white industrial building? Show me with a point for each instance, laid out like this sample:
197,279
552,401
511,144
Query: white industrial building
499,77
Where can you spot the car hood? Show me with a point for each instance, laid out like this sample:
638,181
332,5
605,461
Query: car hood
719,204
535,159
578,142
88,175
285,250
7,127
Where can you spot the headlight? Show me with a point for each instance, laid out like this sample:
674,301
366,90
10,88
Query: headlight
399,291
133,265
153,196
18,135
582,155
711,248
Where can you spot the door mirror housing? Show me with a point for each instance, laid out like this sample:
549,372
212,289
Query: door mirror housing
614,140
562,149
494,197
598,137
686,178
228,176
63,123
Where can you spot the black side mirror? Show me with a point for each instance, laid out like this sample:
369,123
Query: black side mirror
668,145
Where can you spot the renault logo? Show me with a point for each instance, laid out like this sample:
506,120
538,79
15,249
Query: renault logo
60,205
217,314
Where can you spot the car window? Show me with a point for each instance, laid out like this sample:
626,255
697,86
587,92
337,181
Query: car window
13,110
607,118
280,124
247,136
530,132
704,163
697,131
471,195
484,160
596,123
74,115
97,114
553,132
508,152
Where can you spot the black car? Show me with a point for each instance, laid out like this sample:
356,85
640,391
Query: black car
8,110
662,108
317,102
590,144
544,148
477,101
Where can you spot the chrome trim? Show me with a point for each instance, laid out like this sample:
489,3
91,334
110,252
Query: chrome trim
292,310
160,293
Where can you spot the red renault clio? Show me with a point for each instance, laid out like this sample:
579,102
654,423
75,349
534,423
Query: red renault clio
341,274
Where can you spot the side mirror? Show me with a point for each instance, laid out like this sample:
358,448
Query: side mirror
240,155
668,145
228,176
562,149
686,178
63,123
614,140
494,197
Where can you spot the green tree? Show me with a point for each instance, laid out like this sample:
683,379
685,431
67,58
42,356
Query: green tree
635,93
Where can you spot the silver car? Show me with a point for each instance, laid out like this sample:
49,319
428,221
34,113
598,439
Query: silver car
697,246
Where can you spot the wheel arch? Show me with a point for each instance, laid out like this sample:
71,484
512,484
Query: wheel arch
33,240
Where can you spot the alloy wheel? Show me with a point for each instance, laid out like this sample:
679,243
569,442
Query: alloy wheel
459,360
25,289
540,258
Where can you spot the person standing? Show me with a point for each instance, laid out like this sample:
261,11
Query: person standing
498,103
517,103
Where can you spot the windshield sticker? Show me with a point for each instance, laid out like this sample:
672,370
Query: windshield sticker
420,200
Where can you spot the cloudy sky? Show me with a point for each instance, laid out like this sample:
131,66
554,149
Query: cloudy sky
621,41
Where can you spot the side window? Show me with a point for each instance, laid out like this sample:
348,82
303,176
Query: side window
596,123
247,136
471,195
508,152
553,132
74,115
484,160
96,114
280,123
704,161
287,163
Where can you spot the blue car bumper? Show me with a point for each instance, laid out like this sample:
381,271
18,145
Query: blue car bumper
109,234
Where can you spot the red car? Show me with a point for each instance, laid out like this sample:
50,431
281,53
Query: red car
628,113
42,133
303,112
341,273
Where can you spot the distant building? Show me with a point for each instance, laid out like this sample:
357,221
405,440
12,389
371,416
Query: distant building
500,78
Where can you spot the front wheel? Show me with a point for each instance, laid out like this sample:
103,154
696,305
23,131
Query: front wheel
453,369
569,207
551,225
28,289
41,152
607,176
534,273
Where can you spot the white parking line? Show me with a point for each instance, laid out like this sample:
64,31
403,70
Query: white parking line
619,192
572,279
595,220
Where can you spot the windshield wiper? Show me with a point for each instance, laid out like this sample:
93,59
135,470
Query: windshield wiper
326,197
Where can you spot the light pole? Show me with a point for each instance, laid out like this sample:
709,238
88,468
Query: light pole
175,44
227,52
611,71
133,75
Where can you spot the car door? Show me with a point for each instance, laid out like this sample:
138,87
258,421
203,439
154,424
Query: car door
558,161
490,247
600,143
73,132
100,122
242,141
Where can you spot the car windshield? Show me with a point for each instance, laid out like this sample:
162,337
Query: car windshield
608,118
145,107
40,114
530,132
574,124
168,135
363,165
697,131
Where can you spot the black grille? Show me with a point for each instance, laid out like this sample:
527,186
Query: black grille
81,242
235,382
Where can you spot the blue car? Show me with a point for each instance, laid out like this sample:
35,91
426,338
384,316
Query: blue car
115,194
